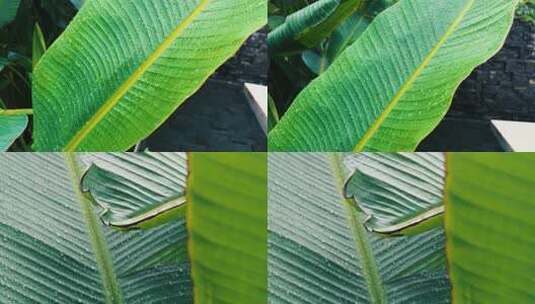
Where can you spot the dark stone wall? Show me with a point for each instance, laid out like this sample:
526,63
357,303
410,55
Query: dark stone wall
250,64
504,87
218,116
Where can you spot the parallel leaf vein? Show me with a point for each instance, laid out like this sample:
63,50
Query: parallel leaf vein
410,81
109,104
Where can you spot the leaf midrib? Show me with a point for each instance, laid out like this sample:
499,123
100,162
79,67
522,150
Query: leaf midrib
170,204
109,104
359,147
99,245
362,243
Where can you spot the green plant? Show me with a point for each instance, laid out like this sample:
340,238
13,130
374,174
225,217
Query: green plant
526,11
133,228
122,67
401,228
383,83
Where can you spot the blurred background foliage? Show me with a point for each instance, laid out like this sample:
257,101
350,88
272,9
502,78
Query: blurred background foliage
526,11
26,28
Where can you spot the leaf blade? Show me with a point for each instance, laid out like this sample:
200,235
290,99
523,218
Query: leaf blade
11,127
399,192
140,190
320,250
227,227
48,238
489,212
388,94
122,64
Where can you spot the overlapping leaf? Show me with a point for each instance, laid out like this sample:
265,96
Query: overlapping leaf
319,251
399,192
138,189
55,250
390,88
122,67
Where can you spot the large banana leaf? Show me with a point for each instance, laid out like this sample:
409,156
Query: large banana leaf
138,189
11,127
227,206
55,250
490,227
123,66
400,193
8,11
391,87
319,251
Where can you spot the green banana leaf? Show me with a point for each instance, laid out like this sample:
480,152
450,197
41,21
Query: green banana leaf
55,250
351,29
283,38
8,11
490,227
138,190
122,67
313,36
319,251
389,89
307,27
347,32
227,206
11,127
401,193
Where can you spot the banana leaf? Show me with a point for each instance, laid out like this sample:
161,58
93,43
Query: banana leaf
55,250
490,227
226,213
227,206
122,67
8,11
11,127
138,190
400,193
320,252
390,88
284,37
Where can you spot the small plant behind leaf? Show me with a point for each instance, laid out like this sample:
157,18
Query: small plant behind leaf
526,11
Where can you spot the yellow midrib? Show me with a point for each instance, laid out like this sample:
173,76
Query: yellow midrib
407,85
108,105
